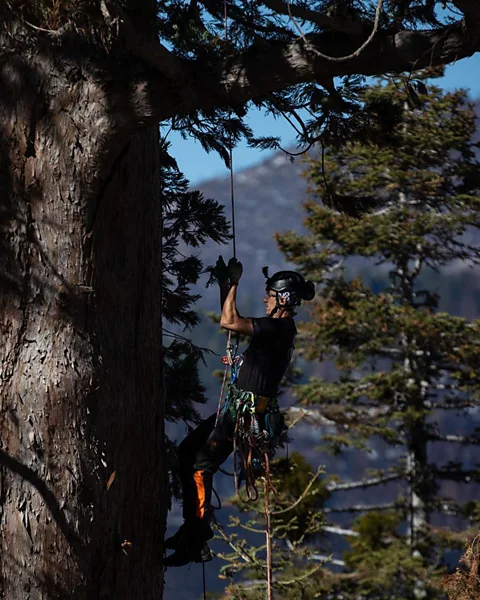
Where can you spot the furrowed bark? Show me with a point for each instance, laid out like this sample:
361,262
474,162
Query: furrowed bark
80,322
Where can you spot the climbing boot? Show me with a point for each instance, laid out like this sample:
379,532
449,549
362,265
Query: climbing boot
205,554
189,529
189,554
190,544
171,543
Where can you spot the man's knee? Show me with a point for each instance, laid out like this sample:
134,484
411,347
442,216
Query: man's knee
186,453
191,444
203,460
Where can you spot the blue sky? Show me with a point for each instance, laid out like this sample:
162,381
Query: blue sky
198,166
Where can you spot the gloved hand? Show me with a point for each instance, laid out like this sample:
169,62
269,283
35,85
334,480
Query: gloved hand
235,270
220,271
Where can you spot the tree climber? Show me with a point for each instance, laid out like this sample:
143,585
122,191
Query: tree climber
250,408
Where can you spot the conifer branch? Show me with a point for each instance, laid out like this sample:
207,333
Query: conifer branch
449,405
152,52
240,551
455,474
302,495
327,559
269,66
296,413
343,25
351,485
360,508
306,575
261,584
459,439
340,531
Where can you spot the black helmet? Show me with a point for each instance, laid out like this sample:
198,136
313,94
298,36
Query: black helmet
291,283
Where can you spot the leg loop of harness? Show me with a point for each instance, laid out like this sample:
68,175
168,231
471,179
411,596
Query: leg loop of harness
259,431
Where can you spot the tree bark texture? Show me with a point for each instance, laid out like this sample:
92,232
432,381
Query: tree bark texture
81,405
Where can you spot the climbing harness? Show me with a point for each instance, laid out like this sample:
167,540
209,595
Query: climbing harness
233,362
259,431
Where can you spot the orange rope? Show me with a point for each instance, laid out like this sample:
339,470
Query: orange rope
267,527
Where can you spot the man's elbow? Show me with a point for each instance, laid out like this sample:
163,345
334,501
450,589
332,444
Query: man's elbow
240,325
225,323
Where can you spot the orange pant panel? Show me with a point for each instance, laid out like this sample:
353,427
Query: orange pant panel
200,503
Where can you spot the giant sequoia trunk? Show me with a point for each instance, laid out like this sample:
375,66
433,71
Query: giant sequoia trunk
82,494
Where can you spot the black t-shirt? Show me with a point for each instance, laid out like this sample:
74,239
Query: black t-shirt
267,357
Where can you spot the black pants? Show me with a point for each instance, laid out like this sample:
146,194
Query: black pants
200,455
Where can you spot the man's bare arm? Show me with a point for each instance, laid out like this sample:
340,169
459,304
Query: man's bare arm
231,319
224,287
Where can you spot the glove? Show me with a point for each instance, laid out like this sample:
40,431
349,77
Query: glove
235,270
220,271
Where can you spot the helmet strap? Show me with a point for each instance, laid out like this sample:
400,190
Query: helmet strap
274,310
278,306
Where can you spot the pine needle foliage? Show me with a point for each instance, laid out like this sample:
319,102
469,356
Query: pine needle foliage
296,517
464,584
189,221
52,14
410,206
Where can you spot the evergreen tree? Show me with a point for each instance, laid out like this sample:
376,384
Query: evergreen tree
404,368
295,505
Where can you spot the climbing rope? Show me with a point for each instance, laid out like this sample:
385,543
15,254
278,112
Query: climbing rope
268,536
230,361
230,355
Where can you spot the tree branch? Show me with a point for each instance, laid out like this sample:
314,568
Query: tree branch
327,559
351,485
276,65
342,25
457,475
151,52
360,508
313,416
140,96
340,531
460,439
470,9
313,479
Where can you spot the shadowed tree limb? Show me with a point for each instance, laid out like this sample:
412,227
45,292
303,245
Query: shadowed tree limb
180,86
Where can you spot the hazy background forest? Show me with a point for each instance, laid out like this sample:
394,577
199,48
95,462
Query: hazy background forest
268,200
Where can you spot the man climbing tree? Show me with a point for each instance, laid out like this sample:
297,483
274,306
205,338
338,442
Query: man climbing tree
250,418
83,87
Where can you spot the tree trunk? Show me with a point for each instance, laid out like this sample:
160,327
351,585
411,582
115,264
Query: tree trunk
82,477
